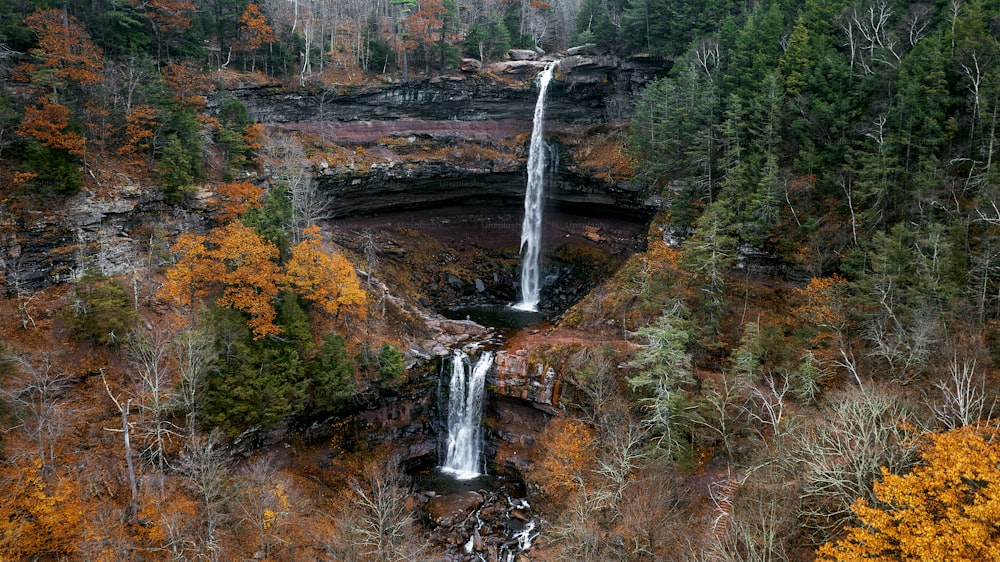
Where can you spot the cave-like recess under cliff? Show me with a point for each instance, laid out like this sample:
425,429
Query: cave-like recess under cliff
446,157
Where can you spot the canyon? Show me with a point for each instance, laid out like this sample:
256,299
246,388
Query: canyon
434,172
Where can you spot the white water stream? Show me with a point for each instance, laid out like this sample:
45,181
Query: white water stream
466,389
531,228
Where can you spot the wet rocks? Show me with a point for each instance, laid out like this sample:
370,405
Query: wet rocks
449,510
465,526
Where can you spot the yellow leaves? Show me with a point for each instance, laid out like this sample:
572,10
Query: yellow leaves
945,509
38,519
825,302
193,274
328,280
236,258
251,276
21,178
566,450
241,266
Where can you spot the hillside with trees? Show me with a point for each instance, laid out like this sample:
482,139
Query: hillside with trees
801,363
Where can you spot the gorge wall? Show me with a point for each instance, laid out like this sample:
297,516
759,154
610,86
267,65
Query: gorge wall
461,138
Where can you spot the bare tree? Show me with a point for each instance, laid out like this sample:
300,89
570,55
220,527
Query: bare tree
725,404
126,431
840,456
755,517
203,463
14,273
870,38
154,393
194,354
623,455
264,503
768,404
384,518
286,159
36,398
963,396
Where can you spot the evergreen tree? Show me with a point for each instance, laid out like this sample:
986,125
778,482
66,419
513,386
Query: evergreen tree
332,373
664,380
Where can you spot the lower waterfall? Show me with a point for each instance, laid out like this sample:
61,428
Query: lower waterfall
466,389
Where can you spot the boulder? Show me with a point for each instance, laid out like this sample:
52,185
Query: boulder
517,67
581,69
451,509
587,49
522,54
470,65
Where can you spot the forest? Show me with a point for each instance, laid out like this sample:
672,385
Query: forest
809,368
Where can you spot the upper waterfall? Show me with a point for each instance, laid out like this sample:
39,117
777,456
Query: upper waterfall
531,228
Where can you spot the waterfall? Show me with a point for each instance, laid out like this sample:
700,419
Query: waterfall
465,411
531,228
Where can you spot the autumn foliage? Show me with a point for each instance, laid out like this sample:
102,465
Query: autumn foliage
38,518
48,123
566,451
169,15
188,83
251,277
241,268
327,280
65,51
254,32
945,509
235,198
141,123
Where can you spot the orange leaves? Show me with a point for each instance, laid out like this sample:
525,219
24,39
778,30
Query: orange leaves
193,274
235,258
64,49
241,267
328,280
251,278
254,30
38,519
566,450
235,198
254,33
170,15
188,83
423,23
826,302
48,123
140,128
254,136
945,509
826,310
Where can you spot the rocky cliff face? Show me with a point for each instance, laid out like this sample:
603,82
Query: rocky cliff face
587,90
485,116
462,138
123,231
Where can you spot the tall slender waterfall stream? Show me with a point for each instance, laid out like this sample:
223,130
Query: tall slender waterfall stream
531,228
465,412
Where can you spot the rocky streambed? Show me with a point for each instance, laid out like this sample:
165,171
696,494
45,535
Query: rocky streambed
483,519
